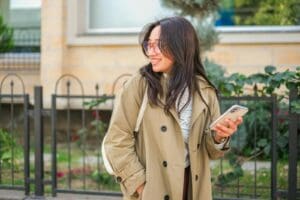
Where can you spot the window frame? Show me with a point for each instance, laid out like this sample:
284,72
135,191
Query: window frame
79,33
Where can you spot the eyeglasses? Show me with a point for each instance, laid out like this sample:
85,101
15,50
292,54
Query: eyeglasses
155,46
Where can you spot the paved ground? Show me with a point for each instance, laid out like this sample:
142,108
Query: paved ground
19,195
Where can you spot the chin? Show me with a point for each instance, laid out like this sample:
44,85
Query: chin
156,69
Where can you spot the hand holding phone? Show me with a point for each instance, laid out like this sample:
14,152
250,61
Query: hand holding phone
232,113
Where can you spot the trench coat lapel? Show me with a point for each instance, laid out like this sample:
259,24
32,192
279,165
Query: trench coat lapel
198,104
175,115
198,108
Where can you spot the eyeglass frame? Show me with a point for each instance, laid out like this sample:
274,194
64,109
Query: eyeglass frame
147,46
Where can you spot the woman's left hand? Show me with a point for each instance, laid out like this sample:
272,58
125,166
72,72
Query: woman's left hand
225,131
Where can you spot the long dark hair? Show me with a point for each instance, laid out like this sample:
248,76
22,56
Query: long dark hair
178,39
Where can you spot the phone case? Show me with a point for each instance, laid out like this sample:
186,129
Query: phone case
232,113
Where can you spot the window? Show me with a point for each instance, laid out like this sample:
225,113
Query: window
25,4
25,18
25,14
123,16
103,22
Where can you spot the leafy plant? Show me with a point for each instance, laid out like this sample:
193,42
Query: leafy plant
6,37
97,126
215,72
105,179
97,102
267,12
254,136
9,150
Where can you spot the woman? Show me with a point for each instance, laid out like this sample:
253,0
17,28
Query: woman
169,157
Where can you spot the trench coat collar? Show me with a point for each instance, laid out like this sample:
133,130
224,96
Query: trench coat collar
198,105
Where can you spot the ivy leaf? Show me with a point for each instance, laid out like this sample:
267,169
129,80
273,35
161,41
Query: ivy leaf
282,141
270,69
291,85
95,122
97,102
267,150
258,78
229,86
82,131
295,106
270,90
262,142
230,176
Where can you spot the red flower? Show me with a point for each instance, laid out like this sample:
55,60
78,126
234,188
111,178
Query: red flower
74,137
60,174
94,114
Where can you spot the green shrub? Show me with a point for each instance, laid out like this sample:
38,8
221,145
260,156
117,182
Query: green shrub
6,37
253,139
10,152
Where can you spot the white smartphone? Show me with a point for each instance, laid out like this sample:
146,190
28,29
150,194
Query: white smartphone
232,113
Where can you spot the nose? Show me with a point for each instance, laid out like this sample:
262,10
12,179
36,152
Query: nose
151,51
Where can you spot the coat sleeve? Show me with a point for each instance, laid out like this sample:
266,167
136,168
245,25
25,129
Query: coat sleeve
213,151
120,142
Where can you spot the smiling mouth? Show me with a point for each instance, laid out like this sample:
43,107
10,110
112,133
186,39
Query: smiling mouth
155,61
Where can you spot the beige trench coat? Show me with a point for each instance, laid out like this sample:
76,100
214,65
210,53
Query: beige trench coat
156,155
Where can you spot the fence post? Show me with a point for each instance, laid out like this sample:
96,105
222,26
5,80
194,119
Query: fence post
26,146
54,163
293,129
39,142
274,149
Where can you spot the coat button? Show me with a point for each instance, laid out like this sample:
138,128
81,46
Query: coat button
119,179
166,197
196,177
165,164
198,146
163,128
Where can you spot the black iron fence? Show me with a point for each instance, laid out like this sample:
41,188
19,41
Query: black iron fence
14,137
65,142
246,161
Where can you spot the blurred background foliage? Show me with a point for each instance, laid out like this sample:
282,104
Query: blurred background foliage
264,12
6,37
